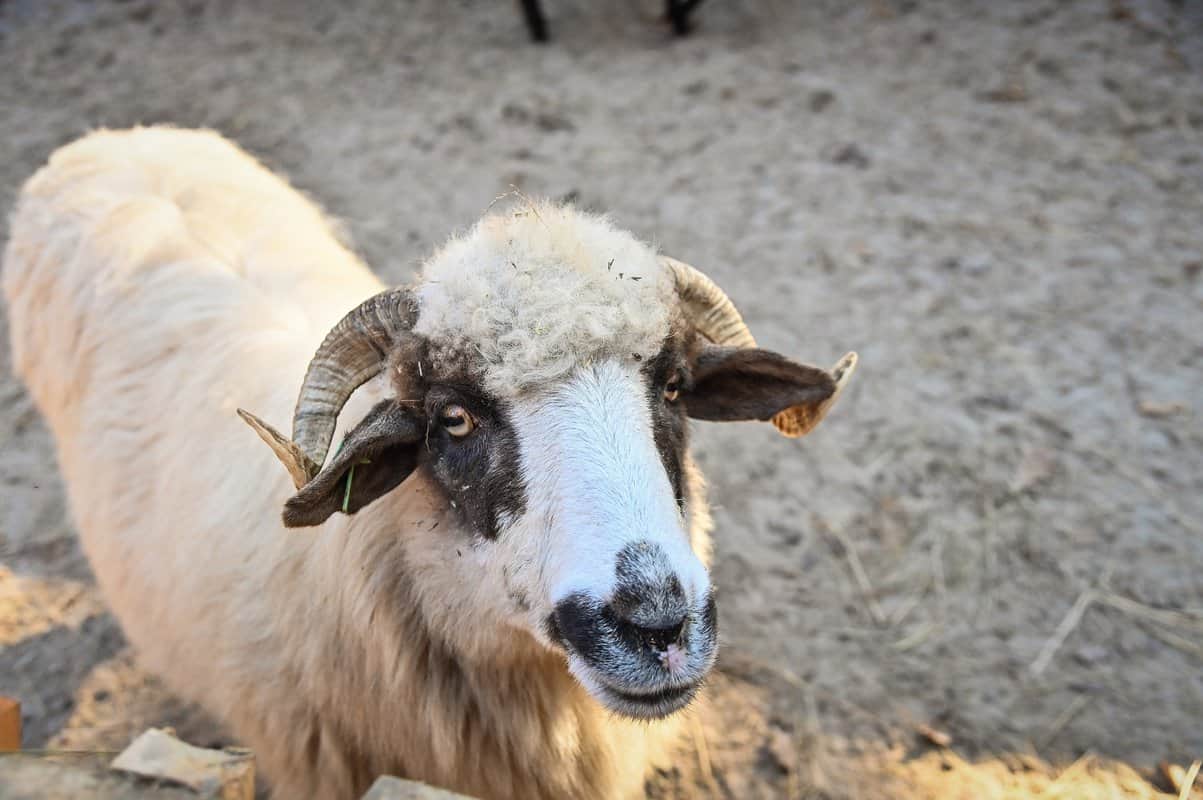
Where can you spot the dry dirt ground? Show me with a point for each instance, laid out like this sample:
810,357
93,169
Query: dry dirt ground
999,204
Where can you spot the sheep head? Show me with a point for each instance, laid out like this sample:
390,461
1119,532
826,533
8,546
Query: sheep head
544,367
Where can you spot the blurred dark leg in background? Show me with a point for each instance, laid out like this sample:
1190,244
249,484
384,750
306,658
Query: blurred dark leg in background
536,23
678,14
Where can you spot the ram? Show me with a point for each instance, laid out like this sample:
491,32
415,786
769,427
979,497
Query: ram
497,582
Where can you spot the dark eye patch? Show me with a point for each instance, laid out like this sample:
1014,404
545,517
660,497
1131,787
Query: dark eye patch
669,423
480,472
479,405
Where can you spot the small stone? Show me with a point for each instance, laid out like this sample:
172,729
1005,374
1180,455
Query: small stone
387,787
850,154
552,123
157,754
820,99
1090,654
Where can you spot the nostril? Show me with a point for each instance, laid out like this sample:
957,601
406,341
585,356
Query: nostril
657,636
661,638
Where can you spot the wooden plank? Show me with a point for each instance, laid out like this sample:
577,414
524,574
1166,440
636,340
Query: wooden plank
10,724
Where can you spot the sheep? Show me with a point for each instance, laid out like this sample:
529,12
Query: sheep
497,583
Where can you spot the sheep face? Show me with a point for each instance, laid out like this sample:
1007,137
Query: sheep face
569,508
616,583
544,369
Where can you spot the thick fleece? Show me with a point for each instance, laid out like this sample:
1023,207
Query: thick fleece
539,291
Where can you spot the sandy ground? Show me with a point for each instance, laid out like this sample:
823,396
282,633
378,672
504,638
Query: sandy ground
1000,205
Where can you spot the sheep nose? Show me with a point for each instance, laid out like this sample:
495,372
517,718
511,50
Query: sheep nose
650,616
657,636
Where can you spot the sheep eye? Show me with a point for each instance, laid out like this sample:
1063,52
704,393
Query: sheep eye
457,421
672,390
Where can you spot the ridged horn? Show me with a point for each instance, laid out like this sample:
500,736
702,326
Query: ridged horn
353,352
708,307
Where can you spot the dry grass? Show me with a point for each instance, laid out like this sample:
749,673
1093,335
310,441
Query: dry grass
945,774
821,765
30,606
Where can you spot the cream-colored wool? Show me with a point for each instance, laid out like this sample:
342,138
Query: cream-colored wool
540,290
158,278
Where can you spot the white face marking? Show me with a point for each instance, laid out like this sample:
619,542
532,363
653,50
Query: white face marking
595,482
598,510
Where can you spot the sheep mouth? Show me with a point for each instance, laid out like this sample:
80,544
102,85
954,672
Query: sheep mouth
644,680
635,701
650,705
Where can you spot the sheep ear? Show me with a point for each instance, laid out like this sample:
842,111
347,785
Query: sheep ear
752,384
375,457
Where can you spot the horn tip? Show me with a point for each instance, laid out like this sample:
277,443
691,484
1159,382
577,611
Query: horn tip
300,467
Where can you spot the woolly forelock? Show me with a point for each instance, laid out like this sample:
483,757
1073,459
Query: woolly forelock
535,292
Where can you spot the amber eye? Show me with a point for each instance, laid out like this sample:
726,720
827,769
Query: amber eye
672,390
457,421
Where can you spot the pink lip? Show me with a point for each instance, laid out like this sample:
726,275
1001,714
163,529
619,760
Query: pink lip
673,659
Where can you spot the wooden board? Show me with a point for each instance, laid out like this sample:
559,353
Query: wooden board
10,724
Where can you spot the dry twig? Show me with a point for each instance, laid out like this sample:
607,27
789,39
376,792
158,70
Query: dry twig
858,573
1182,780
1188,782
1071,621
937,737
1064,718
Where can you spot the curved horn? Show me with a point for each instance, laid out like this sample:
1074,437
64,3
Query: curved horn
353,352
708,307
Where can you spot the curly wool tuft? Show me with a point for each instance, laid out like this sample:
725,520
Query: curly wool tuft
537,291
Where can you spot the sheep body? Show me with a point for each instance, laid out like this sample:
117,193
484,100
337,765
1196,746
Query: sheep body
155,280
